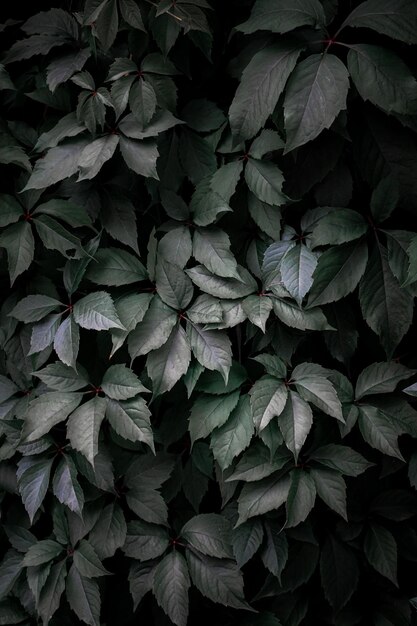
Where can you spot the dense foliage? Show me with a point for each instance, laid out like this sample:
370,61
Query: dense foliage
208,265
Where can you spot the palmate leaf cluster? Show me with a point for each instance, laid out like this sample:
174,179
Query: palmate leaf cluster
208,270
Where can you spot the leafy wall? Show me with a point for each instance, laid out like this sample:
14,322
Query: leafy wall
208,269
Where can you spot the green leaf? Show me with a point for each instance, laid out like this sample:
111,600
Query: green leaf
313,386
142,101
383,78
381,378
211,348
338,272
220,287
234,436
297,268
295,422
42,552
66,486
386,307
170,587
301,497
266,217
290,314
176,246
210,412
20,246
334,226
67,126
96,312
114,267
56,237
263,81
257,308
84,426
33,482
395,18
283,16
43,333
72,214
109,533
131,310
170,362
154,330
11,567
307,112
131,14
140,580
48,410
51,592
11,210
34,308
59,163
119,220
210,534
7,389
83,596
211,246
217,579
246,539
265,181
378,430
268,397
339,572
381,551
94,155
67,341
206,204
259,462
140,156
120,383
341,458
131,420
265,495
87,562
197,157
145,541
275,553
331,488
173,285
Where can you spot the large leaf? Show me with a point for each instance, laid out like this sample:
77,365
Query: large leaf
84,426
209,534
295,422
395,18
217,579
383,78
47,411
59,163
283,15
268,397
315,95
338,272
297,269
170,586
168,363
381,378
381,551
339,572
154,330
210,412
20,245
386,307
263,496
263,81
211,348
96,311
234,436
